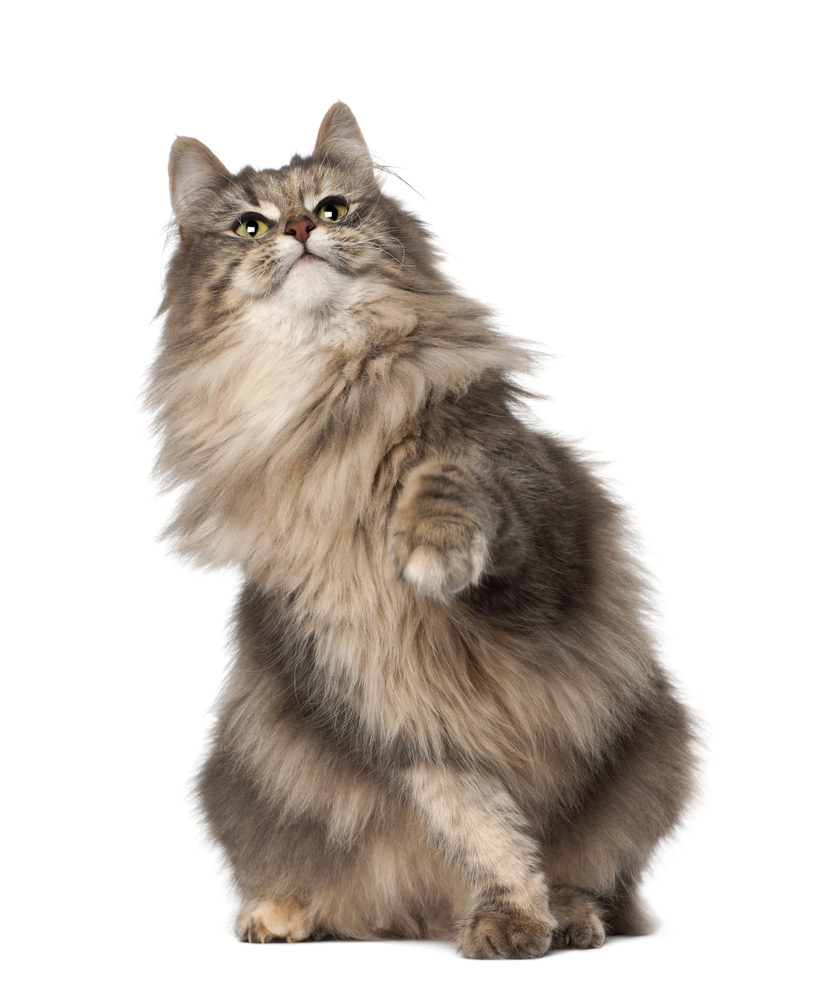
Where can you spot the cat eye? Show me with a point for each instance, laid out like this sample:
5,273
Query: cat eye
251,227
332,210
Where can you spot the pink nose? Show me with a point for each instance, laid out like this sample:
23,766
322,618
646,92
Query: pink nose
300,228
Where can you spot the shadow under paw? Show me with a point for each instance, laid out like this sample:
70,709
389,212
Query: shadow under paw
504,935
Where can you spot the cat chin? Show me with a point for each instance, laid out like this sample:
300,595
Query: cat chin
313,286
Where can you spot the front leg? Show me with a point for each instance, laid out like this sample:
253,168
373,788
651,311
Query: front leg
442,528
481,828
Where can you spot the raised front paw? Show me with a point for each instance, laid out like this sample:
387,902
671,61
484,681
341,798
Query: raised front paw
438,533
262,920
505,935
438,560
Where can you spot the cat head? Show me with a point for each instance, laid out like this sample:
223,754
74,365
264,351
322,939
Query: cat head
306,231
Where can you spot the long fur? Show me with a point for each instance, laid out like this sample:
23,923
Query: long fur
446,717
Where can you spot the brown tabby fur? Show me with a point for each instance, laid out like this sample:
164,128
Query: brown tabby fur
446,718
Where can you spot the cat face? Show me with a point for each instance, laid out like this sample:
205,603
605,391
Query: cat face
302,235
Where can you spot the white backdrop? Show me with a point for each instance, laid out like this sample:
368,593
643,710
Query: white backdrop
644,188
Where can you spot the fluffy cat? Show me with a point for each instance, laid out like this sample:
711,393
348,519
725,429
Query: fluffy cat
445,718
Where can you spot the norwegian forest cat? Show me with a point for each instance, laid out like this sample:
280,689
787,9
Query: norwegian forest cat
445,718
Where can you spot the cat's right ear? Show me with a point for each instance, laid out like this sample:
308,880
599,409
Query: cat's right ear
193,169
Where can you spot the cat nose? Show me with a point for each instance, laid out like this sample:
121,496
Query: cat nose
300,228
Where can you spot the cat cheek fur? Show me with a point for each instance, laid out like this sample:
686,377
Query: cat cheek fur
446,717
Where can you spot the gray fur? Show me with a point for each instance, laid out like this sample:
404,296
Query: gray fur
446,717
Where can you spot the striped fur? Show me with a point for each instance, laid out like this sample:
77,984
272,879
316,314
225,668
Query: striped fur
445,718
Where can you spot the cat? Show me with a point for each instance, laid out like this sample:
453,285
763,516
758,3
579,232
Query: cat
446,718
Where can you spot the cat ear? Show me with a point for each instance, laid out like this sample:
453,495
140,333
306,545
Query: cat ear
192,169
340,140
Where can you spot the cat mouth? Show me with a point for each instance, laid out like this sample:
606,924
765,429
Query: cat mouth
306,255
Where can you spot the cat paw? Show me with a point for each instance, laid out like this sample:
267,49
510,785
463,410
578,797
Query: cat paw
579,921
437,571
263,920
438,567
438,533
505,935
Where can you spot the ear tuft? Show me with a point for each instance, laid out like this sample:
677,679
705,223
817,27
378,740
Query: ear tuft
192,169
340,140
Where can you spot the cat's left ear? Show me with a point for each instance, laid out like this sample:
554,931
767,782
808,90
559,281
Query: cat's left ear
340,140
193,169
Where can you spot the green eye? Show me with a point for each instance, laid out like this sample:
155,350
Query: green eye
251,228
332,211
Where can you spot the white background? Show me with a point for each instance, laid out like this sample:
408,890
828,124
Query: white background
646,189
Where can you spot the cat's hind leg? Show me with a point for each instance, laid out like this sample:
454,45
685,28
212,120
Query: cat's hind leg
605,846
626,912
